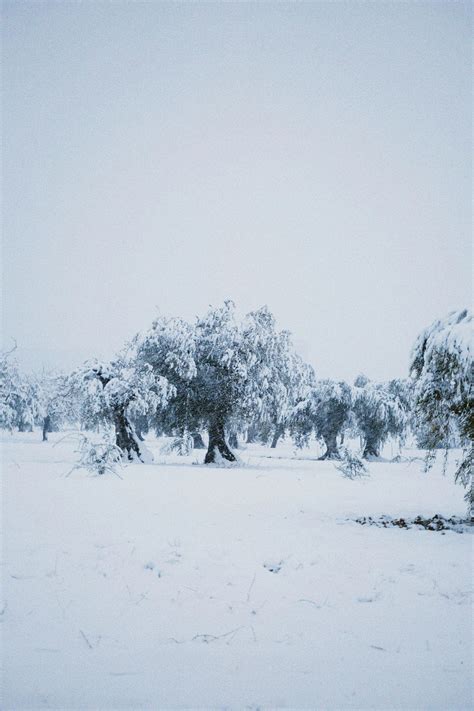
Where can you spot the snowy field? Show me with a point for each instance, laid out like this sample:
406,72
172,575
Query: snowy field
188,586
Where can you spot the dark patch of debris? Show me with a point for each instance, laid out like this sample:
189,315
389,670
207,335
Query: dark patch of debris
435,523
273,567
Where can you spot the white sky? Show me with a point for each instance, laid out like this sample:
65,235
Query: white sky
162,157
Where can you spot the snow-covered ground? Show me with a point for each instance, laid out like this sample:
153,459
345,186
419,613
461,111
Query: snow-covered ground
189,586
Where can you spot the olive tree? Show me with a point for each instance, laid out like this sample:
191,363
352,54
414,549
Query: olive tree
443,374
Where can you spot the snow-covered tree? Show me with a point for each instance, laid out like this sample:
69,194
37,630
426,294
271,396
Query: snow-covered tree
9,385
113,393
324,413
331,408
380,411
280,378
169,349
247,371
224,386
56,403
226,372
18,396
443,372
361,380
26,402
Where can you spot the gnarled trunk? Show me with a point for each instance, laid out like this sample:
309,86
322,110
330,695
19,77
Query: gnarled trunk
125,437
276,435
217,443
332,451
371,449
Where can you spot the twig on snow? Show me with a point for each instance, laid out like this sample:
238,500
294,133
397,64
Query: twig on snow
312,602
251,586
212,638
86,640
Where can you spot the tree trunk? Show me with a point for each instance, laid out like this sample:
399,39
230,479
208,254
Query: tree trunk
198,442
276,436
371,449
125,438
332,451
217,443
46,427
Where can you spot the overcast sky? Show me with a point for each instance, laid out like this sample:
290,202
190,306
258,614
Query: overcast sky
313,157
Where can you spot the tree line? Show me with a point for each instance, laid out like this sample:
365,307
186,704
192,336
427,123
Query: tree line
241,378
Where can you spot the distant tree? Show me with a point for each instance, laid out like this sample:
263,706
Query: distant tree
331,408
361,380
324,413
442,370
380,411
9,386
281,379
26,403
291,384
56,403
18,396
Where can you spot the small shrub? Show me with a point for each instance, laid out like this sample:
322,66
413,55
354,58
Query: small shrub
351,465
98,457
182,444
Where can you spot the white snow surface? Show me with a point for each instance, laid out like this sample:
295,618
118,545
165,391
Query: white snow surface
186,586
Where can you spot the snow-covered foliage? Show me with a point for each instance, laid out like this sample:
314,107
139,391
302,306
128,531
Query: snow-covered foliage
247,370
381,410
227,366
9,385
168,348
98,457
115,392
279,376
225,371
56,402
108,387
7,390
223,364
443,372
18,396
